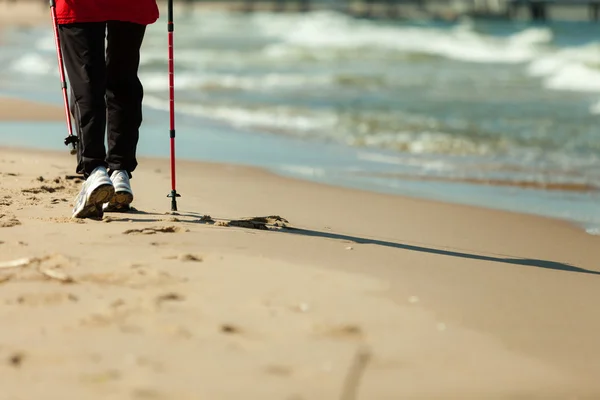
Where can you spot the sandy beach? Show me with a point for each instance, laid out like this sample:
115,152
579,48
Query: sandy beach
348,294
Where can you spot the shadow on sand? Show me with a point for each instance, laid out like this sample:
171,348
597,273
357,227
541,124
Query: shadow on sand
280,224
507,260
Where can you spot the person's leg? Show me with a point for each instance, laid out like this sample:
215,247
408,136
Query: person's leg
124,94
83,53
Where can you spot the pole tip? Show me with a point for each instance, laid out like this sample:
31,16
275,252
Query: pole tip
173,195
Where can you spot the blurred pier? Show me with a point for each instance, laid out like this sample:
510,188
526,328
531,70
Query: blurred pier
535,10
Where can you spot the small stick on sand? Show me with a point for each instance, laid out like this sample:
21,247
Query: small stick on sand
355,373
56,275
21,262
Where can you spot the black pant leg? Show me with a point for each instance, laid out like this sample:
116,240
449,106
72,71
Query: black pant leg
83,53
124,93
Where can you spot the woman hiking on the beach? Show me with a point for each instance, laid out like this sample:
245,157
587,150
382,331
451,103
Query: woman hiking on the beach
106,92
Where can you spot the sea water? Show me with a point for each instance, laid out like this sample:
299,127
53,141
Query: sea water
494,113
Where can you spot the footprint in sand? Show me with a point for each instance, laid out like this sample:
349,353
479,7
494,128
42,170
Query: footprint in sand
138,277
120,311
279,370
272,222
154,230
43,189
229,329
8,221
16,359
146,394
168,297
185,258
58,201
65,220
43,299
111,315
52,267
49,186
348,331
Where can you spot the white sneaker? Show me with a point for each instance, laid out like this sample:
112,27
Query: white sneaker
96,190
123,194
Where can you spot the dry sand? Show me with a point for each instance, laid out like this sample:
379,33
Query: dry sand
362,295
19,110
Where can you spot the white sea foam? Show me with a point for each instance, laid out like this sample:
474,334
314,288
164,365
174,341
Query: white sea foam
570,69
326,31
303,170
404,161
322,33
192,80
424,142
328,125
575,77
34,64
595,230
45,43
158,82
595,108
278,118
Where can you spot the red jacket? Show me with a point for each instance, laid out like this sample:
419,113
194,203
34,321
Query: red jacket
143,12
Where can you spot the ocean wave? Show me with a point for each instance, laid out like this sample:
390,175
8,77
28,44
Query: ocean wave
571,69
277,119
420,151
34,64
327,35
595,108
427,142
45,44
593,230
344,128
422,164
574,77
189,80
325,31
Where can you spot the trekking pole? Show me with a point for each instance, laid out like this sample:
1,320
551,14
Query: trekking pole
173,195
70,139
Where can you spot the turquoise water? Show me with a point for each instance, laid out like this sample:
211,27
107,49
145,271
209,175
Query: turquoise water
367,104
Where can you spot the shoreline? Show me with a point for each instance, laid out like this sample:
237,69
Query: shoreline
14,110
299,180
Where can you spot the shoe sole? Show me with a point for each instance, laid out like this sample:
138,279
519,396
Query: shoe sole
120,202
93,205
